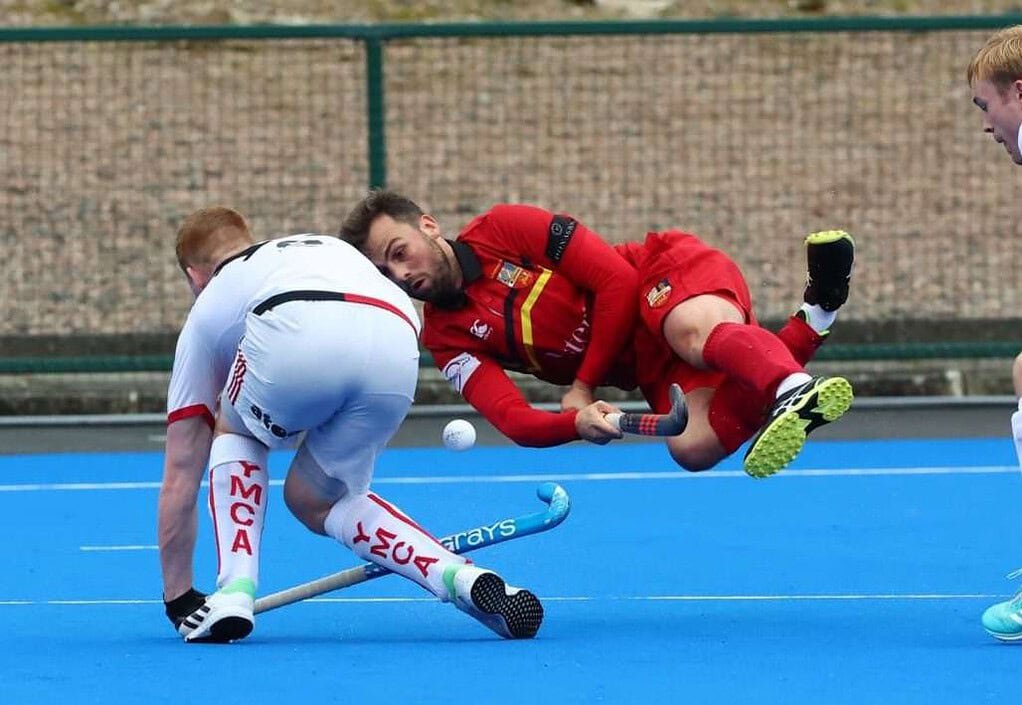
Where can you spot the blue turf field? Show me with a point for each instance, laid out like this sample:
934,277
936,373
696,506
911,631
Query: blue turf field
858,576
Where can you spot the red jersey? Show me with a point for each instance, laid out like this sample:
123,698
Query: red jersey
543,295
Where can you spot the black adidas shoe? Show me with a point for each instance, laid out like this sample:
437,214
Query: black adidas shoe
511,612
793,416
830,255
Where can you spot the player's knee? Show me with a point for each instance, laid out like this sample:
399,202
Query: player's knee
306,507
694,456
690,323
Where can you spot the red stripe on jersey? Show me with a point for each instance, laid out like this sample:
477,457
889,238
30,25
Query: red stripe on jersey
378,303
188,412
237,378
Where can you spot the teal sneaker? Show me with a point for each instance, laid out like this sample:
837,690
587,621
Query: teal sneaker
511,612
1004,620
226,615
793,416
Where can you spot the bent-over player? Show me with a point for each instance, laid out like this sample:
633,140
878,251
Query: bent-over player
528,290
288,336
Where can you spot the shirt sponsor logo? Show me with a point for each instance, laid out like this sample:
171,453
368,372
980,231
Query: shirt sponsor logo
381,543
460,369
480,330
245,501
658,295
561,230
513,276
267,422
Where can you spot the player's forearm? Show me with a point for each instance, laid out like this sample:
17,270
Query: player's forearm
177,528
542,431
525,425
188,443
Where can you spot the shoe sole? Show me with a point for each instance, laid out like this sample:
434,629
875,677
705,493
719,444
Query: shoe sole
232,626
521,612
827,236
783,439
1005,637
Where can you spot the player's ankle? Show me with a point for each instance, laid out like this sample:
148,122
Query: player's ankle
818,318
795,379
245,585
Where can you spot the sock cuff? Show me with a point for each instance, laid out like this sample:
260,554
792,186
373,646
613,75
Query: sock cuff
333,524
818,318
232,447
713,339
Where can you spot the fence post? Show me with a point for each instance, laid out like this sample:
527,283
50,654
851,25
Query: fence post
375,116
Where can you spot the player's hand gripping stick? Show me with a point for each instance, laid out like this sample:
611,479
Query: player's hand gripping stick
669,424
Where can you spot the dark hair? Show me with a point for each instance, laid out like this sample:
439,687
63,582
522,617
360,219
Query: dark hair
355,228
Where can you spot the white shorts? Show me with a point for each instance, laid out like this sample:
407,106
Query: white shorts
344,373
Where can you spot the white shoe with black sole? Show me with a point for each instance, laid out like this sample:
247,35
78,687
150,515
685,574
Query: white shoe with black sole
224,617
513,613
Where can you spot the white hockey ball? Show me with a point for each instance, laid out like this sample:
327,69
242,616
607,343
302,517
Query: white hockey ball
459,434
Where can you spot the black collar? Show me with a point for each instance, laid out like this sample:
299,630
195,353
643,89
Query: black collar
471,269
246,253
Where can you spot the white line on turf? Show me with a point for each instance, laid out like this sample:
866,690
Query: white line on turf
583,598
563,477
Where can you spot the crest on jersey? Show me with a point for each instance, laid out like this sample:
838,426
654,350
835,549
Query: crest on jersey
513,276
658,295
480,330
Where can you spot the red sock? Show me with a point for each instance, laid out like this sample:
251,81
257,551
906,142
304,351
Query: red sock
736,410
751,355
800,338
736,413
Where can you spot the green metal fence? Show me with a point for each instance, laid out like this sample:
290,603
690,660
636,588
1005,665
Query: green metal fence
748,133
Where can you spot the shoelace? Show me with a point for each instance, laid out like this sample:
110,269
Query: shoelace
1016,601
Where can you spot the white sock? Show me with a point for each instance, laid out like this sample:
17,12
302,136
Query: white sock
237,502
818,319
378,531
791,381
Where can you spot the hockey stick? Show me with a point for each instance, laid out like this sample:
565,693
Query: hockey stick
558,505
670,424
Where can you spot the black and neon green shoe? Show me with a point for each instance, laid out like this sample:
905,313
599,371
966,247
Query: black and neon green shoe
794,416
830,255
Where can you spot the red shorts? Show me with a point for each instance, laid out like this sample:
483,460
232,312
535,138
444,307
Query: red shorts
674,266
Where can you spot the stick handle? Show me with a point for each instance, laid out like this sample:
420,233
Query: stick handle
553,495
670,424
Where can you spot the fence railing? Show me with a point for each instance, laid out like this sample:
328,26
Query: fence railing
750,133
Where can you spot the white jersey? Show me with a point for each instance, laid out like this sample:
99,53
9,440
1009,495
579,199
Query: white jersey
216,323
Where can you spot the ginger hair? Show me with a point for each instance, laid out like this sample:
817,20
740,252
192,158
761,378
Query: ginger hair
208,235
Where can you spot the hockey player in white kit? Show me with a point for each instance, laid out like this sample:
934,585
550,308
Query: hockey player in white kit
295,335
